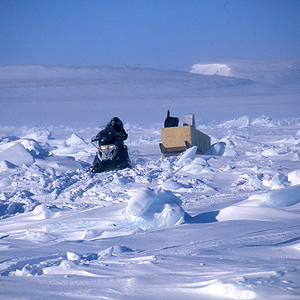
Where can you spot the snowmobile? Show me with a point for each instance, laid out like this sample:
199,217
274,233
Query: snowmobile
112,154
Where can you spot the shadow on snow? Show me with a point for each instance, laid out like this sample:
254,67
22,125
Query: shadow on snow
208,217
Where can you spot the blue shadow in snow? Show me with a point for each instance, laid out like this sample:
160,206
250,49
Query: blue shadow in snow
208,217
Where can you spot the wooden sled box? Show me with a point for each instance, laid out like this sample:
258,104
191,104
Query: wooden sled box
178,139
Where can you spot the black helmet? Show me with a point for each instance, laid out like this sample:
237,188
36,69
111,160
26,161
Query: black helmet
117,123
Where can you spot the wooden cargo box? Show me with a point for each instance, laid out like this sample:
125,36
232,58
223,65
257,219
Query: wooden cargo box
178,139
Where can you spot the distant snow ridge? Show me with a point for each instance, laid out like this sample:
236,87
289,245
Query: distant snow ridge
211,69
279,72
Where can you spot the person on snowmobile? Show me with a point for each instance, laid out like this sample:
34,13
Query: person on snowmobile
113,133
120,133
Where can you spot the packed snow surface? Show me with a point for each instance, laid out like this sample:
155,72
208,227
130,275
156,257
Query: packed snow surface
223,225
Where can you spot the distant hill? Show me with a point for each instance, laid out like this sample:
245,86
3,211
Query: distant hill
63,94
103,81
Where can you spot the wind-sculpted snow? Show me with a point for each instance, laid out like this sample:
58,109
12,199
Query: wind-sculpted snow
265,206
223,225
149,209
281,198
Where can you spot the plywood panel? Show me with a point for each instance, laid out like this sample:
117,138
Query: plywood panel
176,137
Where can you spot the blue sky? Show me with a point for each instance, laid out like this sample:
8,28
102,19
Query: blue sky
166,34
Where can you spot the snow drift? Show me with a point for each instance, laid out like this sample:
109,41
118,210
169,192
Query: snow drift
149,209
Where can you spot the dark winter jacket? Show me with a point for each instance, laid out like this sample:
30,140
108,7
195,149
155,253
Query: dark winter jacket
110,135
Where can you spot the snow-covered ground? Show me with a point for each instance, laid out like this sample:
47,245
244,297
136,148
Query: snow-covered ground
224,225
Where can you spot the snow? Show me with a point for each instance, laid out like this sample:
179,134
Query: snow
17,154
74,140
222,225
187,157
239,122
211,69
149,209
278,72
294,177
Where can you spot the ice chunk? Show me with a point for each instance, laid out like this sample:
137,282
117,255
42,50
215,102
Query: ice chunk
6,165
277,181
217,149
163,197
75,140
150,209
73,256
114,251
196,166
248,183
188,156
140,202
192,168
5,182
263,121
33,147
269,152
252,184
171,215
17,155
41,136
40,212
14,208
240,122
63,268
294,177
